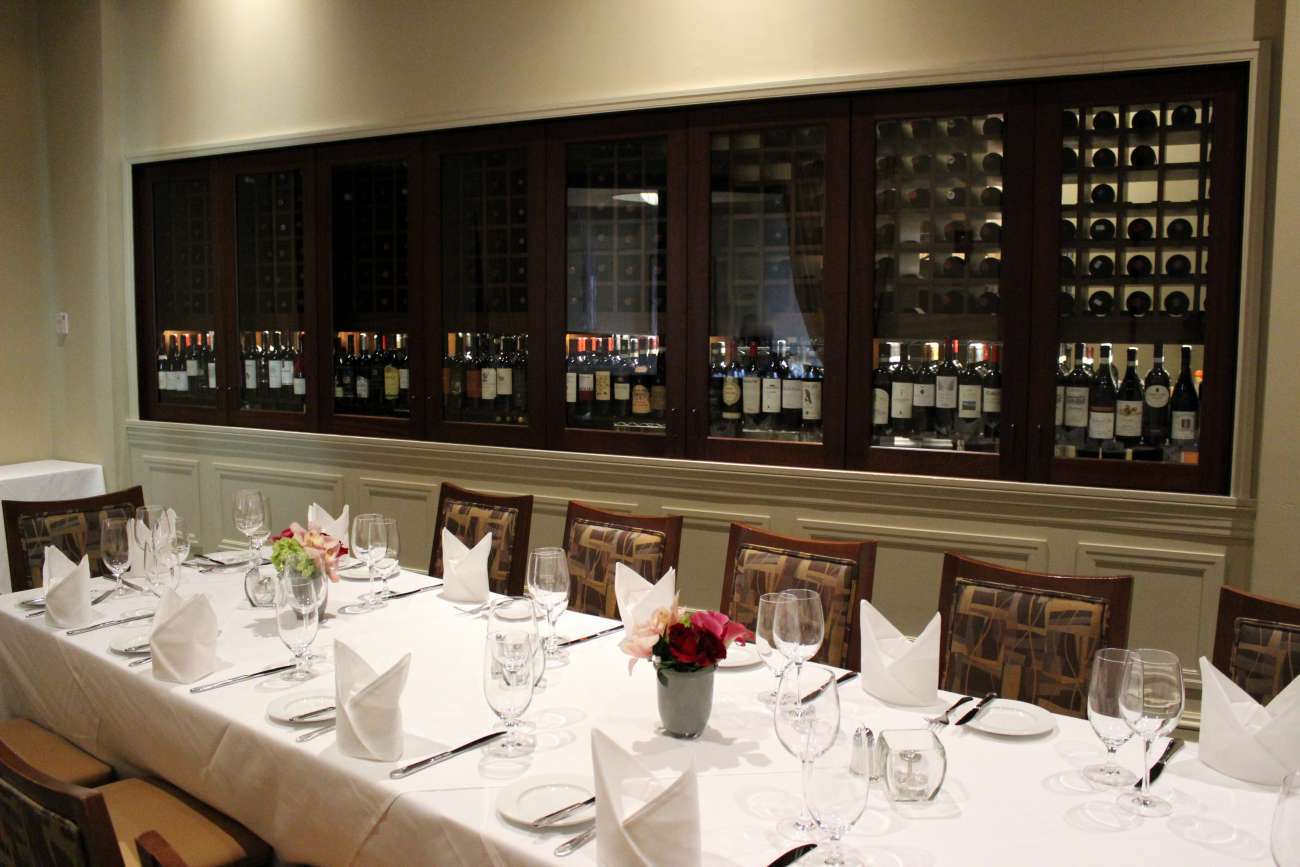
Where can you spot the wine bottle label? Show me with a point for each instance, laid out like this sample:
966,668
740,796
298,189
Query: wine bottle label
1128,418
363,388
658,399
992,398
1060,405
602,385
488,388
1101,423
771,395
586,386
570,387
622,390
1184,426
812,400
274,374
250,375
300,386
923,394
900,400
182,382
792,394
390,382
191,367
968,401
338,391
730,391
473,384
212,376
1157,396
404,378
640,400
505,381
752,395
1076,406
945,392
880,406
286,374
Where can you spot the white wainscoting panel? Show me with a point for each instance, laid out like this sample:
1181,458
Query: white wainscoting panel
291,491
174,482
413,504
703,556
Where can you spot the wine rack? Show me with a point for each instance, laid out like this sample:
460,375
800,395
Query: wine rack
485,238
185,301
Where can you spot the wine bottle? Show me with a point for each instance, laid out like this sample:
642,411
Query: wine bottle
958,127
623,368
1102,230
402,359
471,366
299,371
1129,404
992,163
902,383
1062,373
586,381
1078,385
658,379
1178,265
1138,267
603,381
813,377
1101,266
923,393
1179,229
945,391
791,388
992,127
344,388
732,388
1069,160
1155,401
211,358
505,380
1183,116
273,366
521,379
991,232
1101,403
1184,405
392,386
1069,122
1144,122
1103,158
991,197
1104,121
361,376
1142,157
991,392
880,392
1103,194
771,388
958,163
571,381
263,344
1140,230
752,390
195,376
970,397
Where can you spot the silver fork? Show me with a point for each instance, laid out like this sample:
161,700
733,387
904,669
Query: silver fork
938,722
477,609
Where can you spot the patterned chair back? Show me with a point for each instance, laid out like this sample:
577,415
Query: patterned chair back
72,526
469,522
1265,656
594,548
32,834
1030,644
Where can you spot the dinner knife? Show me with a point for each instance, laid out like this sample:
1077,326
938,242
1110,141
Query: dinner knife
405,593
816,693
84,629
793,855
1170,749
414,767
98,599
974,712
315,733
573,844
243,677
304,717
552,818
594,635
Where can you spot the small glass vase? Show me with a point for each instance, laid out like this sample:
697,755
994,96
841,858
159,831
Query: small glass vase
685,700
259,588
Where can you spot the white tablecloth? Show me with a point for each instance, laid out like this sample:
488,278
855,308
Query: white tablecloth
44,480
1006,801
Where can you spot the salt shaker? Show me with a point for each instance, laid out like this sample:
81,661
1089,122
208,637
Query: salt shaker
863,744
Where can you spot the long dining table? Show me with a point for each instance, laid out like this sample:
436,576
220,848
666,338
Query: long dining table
1006,800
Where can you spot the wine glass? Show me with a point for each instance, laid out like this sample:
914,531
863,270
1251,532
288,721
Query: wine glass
799,626
172,542
367,545
1285,839
297,617
766,643
836,795
253,519
1151,703
510,670
115,550
548,585
386,558
807,720
148,520
1104,688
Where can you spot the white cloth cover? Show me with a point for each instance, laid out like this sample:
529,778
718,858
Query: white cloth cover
897,669
369,711
67,590
638,598
336,527
639,820
1241,738
465,570
184,638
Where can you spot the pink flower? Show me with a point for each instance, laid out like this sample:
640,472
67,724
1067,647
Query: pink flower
721,627
642,637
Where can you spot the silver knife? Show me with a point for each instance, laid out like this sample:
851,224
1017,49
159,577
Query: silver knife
552,818
413,592
573,844
84,629
243,677
974,712
793,855
141,661
304,717
315,733
573,641
412,768
1171,748
98,599
816,693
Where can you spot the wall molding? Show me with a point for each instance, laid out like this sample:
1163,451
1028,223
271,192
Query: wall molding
1030,552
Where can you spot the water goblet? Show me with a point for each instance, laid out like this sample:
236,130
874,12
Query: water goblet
387,563
297,617
115,550
368,543
799,625
807,720
1151,703
548,585
148,521
510,664
1285,838
253,520
836,795
1106,684
765,642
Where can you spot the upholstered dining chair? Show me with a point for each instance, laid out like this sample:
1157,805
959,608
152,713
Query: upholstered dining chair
48,823
760,562
596,540
1257,642
470,515
1027,635
53,755
72,526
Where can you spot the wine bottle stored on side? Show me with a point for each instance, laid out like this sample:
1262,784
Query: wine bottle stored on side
1184,405
1101,403
1128,404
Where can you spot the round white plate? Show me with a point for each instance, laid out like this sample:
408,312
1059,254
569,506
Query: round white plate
130,643
284,708
740,656
527,800
34,602
1005,716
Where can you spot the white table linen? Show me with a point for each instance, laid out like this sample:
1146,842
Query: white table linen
45,480
1005,801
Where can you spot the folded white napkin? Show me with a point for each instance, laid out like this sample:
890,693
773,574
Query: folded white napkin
1244,740
336,527
184,638
641,820
897,669
67,590
369,711
638,598
465,570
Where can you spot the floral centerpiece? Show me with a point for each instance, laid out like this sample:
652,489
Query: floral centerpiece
302,547
685,646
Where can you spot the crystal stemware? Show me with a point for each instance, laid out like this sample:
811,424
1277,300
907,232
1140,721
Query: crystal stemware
369,543
115,550
807,720
1106,684
836,795
387,562
510,662
765,642
297,617
148,521
1285,839
799,625
548,585
1151,702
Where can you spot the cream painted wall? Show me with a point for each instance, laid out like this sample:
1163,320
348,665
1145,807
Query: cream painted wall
27,326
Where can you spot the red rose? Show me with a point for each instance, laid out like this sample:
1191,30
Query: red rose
691,645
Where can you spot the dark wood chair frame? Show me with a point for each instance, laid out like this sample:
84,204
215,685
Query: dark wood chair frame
14,510
863,554
1117,590
1234,603
670,526
83,807
519,550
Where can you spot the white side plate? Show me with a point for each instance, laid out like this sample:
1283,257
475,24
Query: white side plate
284,708
740,656
529,799
1005,716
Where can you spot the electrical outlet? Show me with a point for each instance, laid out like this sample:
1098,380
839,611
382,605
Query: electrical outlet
61,324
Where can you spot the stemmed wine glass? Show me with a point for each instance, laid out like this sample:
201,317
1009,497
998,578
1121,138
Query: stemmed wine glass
1151,703
548,585
173,544
510,664
799,626
368,544
253,519
149,521
1285,838
836,795
766,642
1104,689
115,550
386,558
807,719
297,617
